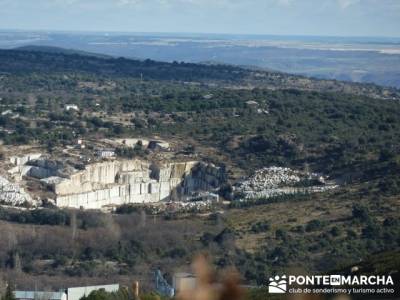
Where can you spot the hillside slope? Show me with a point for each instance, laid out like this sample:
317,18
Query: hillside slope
242,120
50,61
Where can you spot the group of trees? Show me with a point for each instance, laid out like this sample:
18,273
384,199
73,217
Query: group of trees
8,293
54,216
127,294
29,62
135,241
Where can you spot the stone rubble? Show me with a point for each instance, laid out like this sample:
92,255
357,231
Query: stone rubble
12,194
272,181
190,206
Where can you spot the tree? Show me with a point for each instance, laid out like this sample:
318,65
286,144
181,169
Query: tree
371,231
361,213
314,225
73,224
3,287
17,262
226,191
151,296
281,234
9,295
335,231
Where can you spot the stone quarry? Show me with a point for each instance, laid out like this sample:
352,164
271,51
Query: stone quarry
134,181
113,182
116,182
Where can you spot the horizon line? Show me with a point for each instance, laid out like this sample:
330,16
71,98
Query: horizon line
81,31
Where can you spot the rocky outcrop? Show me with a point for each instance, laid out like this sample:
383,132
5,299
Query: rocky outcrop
204,177
20,169
39,168
21,160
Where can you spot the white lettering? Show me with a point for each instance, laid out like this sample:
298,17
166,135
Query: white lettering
292,279
340,280
363,280
346,280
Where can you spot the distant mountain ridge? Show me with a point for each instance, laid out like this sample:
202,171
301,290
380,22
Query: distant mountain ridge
34,59
51,49
355,59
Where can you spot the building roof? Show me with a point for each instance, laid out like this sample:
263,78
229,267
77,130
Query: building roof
39,295
103,286
184,275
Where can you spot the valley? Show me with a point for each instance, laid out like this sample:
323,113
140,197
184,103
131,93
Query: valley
112,168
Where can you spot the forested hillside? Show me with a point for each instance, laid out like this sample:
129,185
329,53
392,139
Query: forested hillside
240,120
26,61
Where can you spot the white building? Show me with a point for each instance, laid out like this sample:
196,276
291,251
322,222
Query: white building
80,144
106,153
74,293
69,107
35,295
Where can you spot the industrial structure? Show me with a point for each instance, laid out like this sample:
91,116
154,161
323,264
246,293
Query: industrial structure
162,286
73,293
180,282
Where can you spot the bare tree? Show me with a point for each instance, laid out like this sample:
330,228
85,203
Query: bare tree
73,225
11,237
17,262
143,218
3,286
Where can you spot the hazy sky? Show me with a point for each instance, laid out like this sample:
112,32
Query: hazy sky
289,17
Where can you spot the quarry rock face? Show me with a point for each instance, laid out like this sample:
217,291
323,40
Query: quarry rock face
38,167
21,160
113,182
133,181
